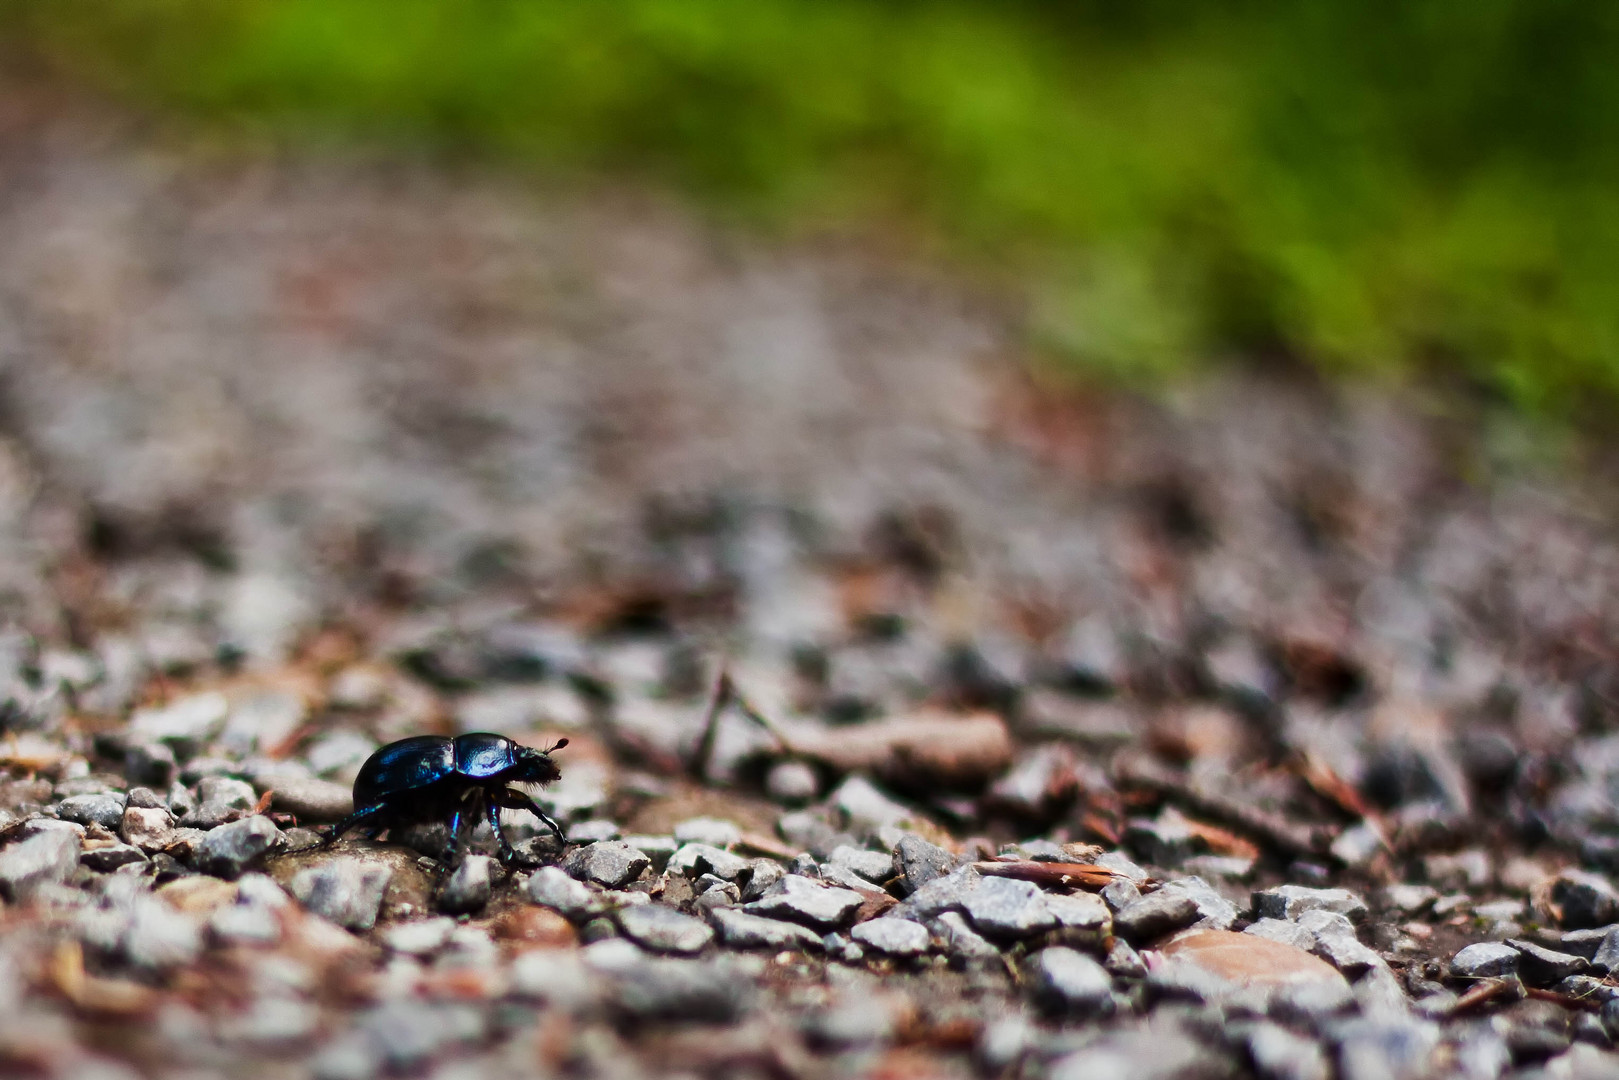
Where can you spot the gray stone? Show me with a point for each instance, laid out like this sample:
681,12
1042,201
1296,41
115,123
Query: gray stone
1336,942
792,783
842,876
1079,911
1064,981
468,888
1586,942
804,865
896,937
947,893
245,924
189,722
105,809
1279,1054
1606,955
421,938
716,832
1486,959
227,791
1540,966
144,798
849,1026
1585,899
1157,1051
919,862
1410,899
611,863
872,866
664,929
346,891
310,799
865,808
808,829
681,990
552,887
1214,912
557,977
109,857
229,849
28,866
805,901
1154,915
588,832
656,848
1124,961
694,860
740,930
160,937
1007,908
1121,864
961,940
719,894
1375,1048
148,828
1283,930
1357,845
766,872
408,1032
1291,901
1120,893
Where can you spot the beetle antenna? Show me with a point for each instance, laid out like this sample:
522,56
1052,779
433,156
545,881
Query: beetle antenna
560,743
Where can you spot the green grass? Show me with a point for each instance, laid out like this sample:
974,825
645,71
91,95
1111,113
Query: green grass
1381,187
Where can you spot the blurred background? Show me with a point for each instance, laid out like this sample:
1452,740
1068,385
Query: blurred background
1364,188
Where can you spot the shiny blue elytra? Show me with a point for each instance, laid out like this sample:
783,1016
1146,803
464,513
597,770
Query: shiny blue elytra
429,778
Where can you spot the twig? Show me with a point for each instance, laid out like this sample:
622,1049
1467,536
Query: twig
1273,829
1051,874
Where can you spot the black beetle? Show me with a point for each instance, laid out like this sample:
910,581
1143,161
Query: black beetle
430,778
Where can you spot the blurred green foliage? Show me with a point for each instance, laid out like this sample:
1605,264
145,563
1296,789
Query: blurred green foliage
1376,186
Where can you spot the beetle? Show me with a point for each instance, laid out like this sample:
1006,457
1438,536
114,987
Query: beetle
428,778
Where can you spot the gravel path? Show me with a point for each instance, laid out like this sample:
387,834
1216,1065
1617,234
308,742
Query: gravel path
919,724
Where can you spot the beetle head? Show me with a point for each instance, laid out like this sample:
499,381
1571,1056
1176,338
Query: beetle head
536,767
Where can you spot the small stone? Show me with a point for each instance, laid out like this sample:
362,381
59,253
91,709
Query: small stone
105,809
262,890
806,829
610,863
664,929
873,866
740,930
1279,1054
718,894
245,924
1219,962
1486,959
681,990
468,889
1123,961
896,937
110,856
1584,899
553,888
1007,908
1606,955
805,901
716,832
694,860
792,783
227,791
1079,911
961,940
160,937
589,832
866,808
1120,864
311,799
1066,982
421,938
28,866
229,849
1540,966
804,865
766,872
1120,893
1291,901
188,722
1155,915
1214,912
948,893
656,848
347,891
1283,930
1587,942
850,1025
919,862
555,976
1336,942
148,828
1377,1047
1410,899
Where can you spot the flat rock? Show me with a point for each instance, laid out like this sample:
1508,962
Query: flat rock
1291,901
229,849
48,858
740,930
1540,966
148,828
873,867
348,891
552,887
469,887
803,900
1079,911
1221,961
919,862
105,809
1337,943
716,832
109,856
896,937
609,863
1486,959
694,860
1584,900
664,929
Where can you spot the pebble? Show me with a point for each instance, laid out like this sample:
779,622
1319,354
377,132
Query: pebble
1374,1048
1337,943
715,832
896,937
1064,981
588,832
766,872
1279,1054
656,848
1486,959
311,799
1120,893
1214,912
109,856
865,808
918,862
1003,907
792,783
245,924
468,888
849,1026
874,867
148,828
1220,962
1540,966
675,990
1283,930
740,930
1155,915
26,867
1291,901
1410,899
609,863
552,887
348,891
421,937
229,849
664,929
1155,1051
961,940
187,722
694,860
1124,961
160,937
1584,899
1079,911
805,901
105,809
1606,954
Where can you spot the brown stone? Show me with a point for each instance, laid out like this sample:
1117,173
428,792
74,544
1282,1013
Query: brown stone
1249,960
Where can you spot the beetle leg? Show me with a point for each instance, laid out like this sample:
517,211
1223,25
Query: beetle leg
516,800
359,817
508,854
452,846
